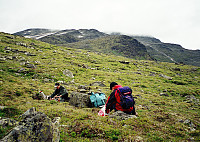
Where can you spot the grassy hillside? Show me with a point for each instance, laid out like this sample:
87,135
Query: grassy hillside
121,45
167,95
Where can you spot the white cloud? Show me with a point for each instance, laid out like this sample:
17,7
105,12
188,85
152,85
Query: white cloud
175,21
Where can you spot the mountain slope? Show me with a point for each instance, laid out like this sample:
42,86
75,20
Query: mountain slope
166,94
167,52
116,45
69,36
164,52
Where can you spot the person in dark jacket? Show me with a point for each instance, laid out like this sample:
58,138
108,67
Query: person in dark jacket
113,101
60,93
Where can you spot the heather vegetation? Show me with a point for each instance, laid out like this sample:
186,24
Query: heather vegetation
166,94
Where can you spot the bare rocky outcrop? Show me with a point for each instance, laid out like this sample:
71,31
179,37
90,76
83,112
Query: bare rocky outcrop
34,126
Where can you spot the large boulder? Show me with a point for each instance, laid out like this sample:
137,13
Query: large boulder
34,126
78,99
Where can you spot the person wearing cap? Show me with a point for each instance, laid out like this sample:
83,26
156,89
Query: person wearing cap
113,101
60,93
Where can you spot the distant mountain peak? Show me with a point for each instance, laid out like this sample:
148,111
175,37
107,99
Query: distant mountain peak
121,44
36,33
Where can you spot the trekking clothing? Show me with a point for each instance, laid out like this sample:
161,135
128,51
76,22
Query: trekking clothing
113,102
61,91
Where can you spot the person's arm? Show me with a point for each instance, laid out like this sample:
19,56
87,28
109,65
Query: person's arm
110,101
63,92
52,95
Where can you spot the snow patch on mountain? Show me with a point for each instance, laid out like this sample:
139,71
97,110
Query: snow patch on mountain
39,35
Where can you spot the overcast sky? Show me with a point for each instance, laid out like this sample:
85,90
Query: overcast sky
171,21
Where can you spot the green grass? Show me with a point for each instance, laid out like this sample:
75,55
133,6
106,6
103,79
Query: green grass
158,115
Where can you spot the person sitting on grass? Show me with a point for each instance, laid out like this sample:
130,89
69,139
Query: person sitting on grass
114,101
60,93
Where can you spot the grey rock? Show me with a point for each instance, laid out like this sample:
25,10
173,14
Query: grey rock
120,115
2,59
164,94
31,66
124,62
21,44
68,73
39,96
180,120
22,59
84,87
10,37
18,74
46,80
15,50
166,77
30,54
30,112
190,124
138,73
34,126
9,57
83,91
7,48
192,99
23,63
97,83
56,131
152,74
7,122
138,139
21,70
7,51
78,99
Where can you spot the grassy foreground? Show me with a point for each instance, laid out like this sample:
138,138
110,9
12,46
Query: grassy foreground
167,95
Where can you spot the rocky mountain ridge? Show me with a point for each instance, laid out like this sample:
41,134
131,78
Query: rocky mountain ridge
168,52
155,49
